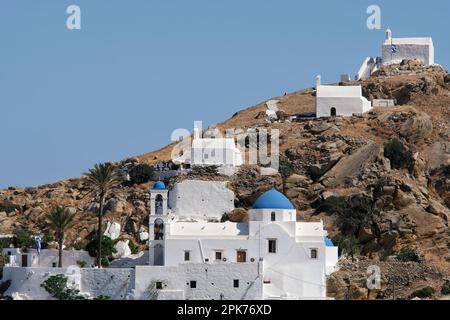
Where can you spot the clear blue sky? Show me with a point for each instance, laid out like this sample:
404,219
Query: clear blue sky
140,68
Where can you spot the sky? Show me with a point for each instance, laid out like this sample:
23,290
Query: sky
138,69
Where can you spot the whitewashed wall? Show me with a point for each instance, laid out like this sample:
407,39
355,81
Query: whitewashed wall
344,106
202,199
422,52
212,281
26,282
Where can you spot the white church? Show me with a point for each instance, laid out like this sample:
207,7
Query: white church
273,256
337,100
211,151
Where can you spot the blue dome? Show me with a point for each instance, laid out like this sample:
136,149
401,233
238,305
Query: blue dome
328,242
159,185
273,199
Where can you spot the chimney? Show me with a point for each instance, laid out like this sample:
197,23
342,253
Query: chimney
318,80
197,129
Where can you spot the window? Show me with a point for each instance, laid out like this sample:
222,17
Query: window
314,253
272,216
272,245
205,156
218,255
159,285
187,256
193,284
236,283
54,264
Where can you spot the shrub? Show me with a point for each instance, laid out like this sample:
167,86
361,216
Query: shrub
349,245
102,297
352,212
133,247
23,238
9,207
107,249
141,173
446,170
4,286
57,286
286,168
81,263
426,292
446,289
408,255
399,155
333,204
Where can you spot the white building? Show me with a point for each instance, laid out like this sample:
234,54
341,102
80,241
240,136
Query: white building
339,100
46,258
397,49
271,257
211,151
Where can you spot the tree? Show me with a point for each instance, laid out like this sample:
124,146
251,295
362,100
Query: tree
107,249
23,238
141,173
349,245
101,180
60,220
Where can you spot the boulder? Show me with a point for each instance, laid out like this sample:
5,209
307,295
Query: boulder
122,249
417,127
112,230
403,199
143,235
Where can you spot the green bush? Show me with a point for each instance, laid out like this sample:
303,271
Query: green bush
107,249
141,173
81,263
349,245
408,255
57,286
333,205
23,238
102,297
400,156
446,170
446,289
9,207
426,292
4,286
352,212
133,247
286,168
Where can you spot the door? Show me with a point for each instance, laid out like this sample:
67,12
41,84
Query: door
241,256
24,260
333,112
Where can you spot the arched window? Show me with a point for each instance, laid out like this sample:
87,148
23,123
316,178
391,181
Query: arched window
159,204
158,230
333,112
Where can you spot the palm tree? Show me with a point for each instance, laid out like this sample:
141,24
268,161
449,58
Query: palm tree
60,220
101,180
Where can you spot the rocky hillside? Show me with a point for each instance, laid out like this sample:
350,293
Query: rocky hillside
378,180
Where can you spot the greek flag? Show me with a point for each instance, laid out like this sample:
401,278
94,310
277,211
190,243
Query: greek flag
38,243
393,48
